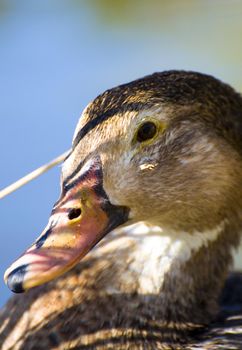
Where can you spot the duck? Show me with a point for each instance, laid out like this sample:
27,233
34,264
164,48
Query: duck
138,249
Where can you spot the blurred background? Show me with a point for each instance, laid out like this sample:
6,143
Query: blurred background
57,55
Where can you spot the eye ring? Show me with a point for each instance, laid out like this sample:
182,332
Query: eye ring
74,213
146,131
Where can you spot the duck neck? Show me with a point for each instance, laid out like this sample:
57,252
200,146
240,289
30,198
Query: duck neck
177,276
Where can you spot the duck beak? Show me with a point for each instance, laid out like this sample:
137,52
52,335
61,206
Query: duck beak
79,220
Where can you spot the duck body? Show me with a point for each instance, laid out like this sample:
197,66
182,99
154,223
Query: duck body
156,168
83,309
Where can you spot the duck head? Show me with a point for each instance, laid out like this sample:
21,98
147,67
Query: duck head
165,149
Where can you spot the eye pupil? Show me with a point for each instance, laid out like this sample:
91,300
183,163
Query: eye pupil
74,213
146,131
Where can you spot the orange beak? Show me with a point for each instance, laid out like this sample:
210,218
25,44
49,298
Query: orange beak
79,220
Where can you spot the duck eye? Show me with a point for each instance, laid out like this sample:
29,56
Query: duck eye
74,213
146,132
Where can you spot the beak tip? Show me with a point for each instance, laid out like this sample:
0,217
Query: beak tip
15,278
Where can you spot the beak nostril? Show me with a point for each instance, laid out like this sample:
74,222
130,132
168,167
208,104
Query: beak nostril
74,213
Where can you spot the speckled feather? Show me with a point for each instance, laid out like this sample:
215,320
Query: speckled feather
75,312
